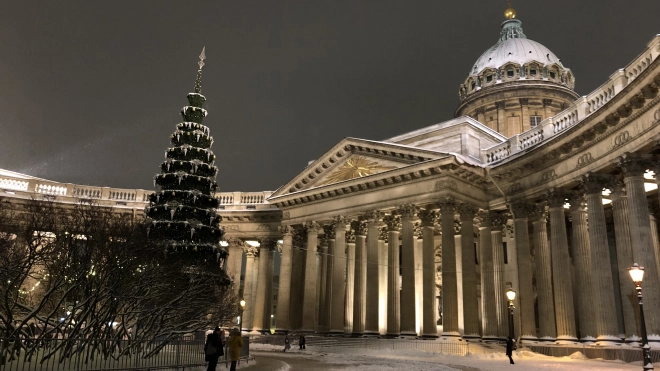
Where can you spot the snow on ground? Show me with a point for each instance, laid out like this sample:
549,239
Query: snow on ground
341,358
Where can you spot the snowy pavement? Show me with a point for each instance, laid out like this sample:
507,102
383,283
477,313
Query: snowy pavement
271,358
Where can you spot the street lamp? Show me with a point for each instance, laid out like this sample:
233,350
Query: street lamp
242,303
637,275
511,296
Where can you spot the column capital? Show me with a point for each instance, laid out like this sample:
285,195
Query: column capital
360,227
594,183
339,222
447,204
467,211
521,209
373,216
418,230
498,219
538,213
577,202
250,251
383,233
312,227
556,197
298,238
407,210
235,242
428,217
393,222
287,230
618,187
632,164
328,232
484,217
350,236
268,243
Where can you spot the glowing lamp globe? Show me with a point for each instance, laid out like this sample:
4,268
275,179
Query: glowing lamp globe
511,295
242,302
636,273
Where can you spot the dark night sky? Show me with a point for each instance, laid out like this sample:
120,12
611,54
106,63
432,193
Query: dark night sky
91,91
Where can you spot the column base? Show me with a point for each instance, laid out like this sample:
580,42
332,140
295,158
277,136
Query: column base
428,337
633,341
566,340
392,336
371,334
607,340
335,333
490,339
472,337
451,336
529,339
356,335
588,340
408,334
281,331
547,339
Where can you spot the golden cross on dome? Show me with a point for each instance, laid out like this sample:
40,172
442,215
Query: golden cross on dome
509,13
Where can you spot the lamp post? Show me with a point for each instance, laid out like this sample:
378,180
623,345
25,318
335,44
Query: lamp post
242,303
511,296
637,275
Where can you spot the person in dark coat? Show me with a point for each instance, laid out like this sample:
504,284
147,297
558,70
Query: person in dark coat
287,343
301,342
213,349
509,349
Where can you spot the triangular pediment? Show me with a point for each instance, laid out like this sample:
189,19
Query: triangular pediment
356,158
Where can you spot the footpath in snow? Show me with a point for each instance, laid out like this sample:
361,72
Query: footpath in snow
341,358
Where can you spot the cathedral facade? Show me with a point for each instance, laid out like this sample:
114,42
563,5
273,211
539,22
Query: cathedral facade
530,188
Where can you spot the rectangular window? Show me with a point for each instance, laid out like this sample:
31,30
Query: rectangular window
534,121
250,207
506,255
532,72
489,78
509,73
552,75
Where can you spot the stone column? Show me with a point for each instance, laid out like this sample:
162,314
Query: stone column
547,328
309,298
338,291
262,299
654,233
582,269
408,271
297,278
469,274
350,281
284,291
393,223
382,278
525,295
450,329
268,304
235,262
360,288
323,275
489,321
561,268
372,278
429,310
326,301
603,286
624,256
498,222
248,311
642,242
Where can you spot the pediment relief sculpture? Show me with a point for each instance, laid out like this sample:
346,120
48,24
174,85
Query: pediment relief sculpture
355,167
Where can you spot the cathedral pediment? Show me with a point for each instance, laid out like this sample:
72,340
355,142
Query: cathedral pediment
356,158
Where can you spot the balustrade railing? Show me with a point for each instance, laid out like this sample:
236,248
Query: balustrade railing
87,192
578,111
13,184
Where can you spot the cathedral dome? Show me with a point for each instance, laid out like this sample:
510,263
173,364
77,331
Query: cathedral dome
515,58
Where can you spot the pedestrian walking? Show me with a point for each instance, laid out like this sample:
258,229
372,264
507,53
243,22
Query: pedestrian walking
509,349
287,343
223,340
235,345
301,342
213,349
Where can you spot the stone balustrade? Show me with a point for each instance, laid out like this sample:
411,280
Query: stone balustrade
23,186
578,111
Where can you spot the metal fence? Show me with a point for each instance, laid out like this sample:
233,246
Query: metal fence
327,344
90,355
624,354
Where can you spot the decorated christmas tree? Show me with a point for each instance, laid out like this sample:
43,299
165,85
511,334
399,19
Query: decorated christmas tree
182,212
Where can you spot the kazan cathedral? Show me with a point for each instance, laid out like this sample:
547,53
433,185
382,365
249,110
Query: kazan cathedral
530,188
